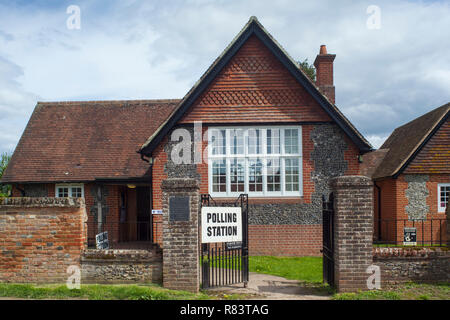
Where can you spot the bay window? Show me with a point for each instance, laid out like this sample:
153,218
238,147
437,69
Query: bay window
260,161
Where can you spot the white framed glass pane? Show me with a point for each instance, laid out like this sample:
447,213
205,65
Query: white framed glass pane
63,192
292,174
291,141
273,141
237,175
237,141
76,192
255,176
254,145
218,142
219,176
273,175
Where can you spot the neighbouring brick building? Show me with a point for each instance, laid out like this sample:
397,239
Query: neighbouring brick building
271,133
411,172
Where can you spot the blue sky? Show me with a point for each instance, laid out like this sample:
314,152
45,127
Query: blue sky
158,49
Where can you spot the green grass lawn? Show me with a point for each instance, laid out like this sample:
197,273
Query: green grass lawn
97,292
308,270
408,291
305,269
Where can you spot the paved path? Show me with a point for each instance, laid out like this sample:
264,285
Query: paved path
265,286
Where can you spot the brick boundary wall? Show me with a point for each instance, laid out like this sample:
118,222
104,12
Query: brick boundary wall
353,230
285,240
398,265
181,238
40,238
121,266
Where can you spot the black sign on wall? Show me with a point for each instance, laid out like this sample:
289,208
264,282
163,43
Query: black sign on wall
410,236
179,208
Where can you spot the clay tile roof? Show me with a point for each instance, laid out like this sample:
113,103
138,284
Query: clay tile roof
84,140
406,140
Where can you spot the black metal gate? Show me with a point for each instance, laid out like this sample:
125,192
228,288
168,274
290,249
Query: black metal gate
328,240
225,263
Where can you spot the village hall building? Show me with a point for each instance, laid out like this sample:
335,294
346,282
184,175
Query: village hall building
271,133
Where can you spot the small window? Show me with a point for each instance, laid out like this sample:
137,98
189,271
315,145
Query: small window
443,196
67,190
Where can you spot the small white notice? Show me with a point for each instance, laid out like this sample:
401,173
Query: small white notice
221,224
101,240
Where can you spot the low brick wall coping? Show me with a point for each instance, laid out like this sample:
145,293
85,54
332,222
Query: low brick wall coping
179,184
121,255
351,182
44,202
386,253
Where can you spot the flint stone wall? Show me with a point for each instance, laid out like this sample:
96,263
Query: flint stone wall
121,266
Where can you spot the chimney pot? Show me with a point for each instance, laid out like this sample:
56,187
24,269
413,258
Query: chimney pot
324,73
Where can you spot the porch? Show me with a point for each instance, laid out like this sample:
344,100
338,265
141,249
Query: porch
122,208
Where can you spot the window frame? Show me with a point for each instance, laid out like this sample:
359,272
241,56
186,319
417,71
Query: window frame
440,185
264,156
70,186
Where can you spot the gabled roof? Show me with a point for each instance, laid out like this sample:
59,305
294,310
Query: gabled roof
85,140
406,141
253,27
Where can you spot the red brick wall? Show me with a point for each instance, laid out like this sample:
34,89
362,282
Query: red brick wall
40,239
431,230
388,208
285,240
393,206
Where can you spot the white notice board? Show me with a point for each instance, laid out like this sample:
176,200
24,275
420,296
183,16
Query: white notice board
221,224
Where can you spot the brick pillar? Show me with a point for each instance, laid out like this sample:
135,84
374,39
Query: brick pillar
180,234
353,230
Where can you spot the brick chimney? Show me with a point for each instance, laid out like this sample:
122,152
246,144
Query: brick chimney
324,73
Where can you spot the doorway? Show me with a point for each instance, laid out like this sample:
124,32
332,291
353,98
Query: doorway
143,214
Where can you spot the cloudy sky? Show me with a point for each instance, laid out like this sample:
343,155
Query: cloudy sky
126,49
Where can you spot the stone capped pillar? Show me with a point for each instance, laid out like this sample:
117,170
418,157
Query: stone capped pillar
353,231
181,203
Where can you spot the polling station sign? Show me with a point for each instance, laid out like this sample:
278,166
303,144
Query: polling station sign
221,224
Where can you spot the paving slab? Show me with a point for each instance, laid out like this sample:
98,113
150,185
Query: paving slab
264,286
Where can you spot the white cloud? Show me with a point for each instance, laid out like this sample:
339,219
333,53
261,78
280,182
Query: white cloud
376,140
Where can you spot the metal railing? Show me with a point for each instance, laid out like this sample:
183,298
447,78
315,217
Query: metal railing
126,235
415,232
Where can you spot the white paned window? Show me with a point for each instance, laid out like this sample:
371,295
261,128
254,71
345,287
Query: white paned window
69,190
218,142
219,176
260,161
443,196
237,175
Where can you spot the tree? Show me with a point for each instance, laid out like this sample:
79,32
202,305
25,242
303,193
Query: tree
5,189
308,69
